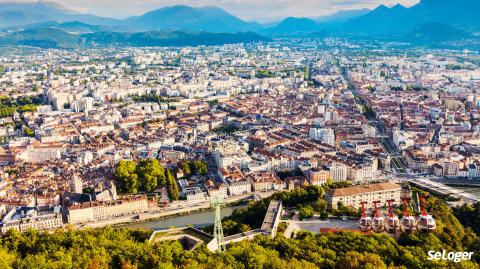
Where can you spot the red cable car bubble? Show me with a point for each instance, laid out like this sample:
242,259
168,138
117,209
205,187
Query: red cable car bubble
425,222
392,223
408,223
365,222
378,222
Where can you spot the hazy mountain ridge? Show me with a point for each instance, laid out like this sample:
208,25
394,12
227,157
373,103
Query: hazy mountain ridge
75,27
446,18
435,34
376,21
43,37
401,20
292,26
56,38
211,19
17,14
171,38
341,16
49,25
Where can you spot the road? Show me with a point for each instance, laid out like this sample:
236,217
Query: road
437,187
444,189
397,161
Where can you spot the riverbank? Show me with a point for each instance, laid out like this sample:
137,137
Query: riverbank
197,219
474,190
460,183
163,213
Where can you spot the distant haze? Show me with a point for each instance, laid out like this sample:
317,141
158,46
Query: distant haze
258,10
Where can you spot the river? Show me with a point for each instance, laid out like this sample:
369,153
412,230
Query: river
205,218
472,190
198,219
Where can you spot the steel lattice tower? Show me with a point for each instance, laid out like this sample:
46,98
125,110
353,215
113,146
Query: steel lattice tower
217,229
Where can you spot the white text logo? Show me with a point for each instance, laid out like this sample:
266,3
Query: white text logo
449,256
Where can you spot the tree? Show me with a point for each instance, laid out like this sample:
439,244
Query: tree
6,259
213,102
329,181
200,167
346,210
354,259
324,215
186,169
27,108
29,132
172,186
127,179
469,215
150,174
320,205
306,212
315,193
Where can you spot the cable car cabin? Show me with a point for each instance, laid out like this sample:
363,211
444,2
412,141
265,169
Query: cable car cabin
392,224
365,224
408,224
378,222
425,222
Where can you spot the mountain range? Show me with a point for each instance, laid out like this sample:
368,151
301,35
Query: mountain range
399,19
427,22
21,14
341,16
179,17
211,19
42,37
55,38
292,27
434,34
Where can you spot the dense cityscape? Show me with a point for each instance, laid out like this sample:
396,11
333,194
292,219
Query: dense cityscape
332,152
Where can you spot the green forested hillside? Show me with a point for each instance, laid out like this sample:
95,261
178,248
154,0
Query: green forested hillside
56,38
124,248
43,38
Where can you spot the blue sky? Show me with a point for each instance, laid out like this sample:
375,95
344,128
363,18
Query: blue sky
260,10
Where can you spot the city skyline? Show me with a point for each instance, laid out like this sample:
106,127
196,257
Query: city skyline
261,11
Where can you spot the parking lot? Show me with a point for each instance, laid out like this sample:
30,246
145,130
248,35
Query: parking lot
314,226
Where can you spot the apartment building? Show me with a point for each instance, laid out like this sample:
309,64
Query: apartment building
24,218
267,181
318,176
216,190
95,211
353,196
239,187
